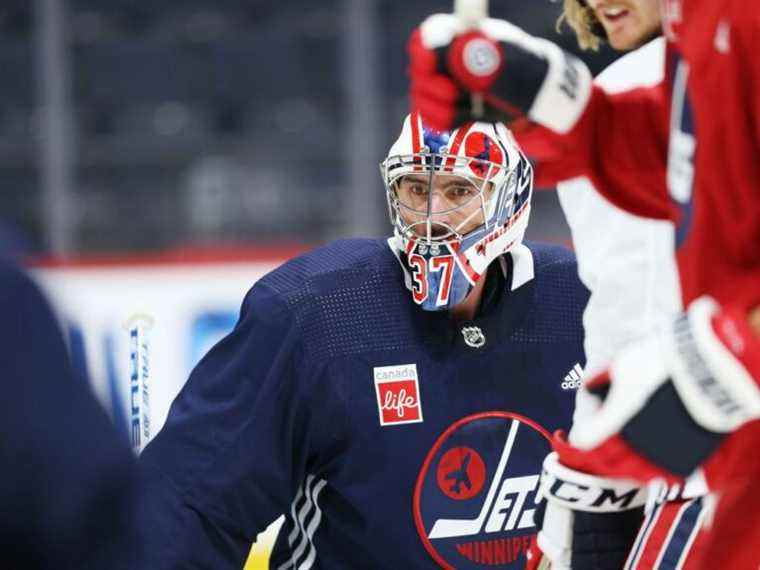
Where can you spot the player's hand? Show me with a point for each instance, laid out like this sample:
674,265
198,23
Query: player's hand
584,521
517,75
670,401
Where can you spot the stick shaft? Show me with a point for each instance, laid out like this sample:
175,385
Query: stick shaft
139,382
470,13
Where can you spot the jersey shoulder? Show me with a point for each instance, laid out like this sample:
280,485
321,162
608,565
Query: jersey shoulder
345,297
559,295
556,268
328,268
551,257
642,67
21,297
15,284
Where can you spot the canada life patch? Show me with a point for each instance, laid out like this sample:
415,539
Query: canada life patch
398,394
480,146
475,494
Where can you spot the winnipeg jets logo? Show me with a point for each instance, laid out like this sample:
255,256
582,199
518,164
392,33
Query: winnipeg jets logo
498,520
461,473
476,493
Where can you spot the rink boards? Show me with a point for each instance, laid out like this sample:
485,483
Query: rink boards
193,300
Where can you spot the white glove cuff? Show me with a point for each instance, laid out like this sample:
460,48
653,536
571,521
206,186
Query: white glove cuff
589,493
565,92
439,30
718,391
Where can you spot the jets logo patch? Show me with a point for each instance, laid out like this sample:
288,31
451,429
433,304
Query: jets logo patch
461,473
475,494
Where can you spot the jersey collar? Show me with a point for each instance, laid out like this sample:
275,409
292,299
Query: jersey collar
507,300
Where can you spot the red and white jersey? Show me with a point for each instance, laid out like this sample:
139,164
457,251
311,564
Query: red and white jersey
633,280
686,149
631,273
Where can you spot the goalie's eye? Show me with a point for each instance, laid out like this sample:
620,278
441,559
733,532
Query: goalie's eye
413,188
418,189
459,192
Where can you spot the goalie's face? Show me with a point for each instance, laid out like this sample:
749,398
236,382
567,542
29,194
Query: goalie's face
628,23
439,205
457,201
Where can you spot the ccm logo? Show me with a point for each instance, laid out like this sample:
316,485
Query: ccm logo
592,498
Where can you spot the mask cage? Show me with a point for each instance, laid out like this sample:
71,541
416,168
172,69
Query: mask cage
491,176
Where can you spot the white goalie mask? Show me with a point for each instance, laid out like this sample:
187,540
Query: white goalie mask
457,200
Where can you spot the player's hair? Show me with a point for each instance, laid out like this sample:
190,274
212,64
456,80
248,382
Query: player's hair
582,20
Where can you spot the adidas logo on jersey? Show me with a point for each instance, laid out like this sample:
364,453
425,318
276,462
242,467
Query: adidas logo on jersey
573,379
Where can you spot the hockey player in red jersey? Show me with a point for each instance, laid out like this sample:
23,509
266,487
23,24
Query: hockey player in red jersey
671,403
634,288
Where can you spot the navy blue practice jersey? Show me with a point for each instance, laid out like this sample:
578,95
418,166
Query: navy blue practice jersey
390,437
67,483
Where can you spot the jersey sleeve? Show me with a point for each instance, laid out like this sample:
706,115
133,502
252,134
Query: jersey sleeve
748,45
235,445
68,480
620,144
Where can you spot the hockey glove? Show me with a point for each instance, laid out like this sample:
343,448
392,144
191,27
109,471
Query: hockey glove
670,401
517,75
585,521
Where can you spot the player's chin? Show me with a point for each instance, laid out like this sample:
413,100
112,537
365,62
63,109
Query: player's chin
627,39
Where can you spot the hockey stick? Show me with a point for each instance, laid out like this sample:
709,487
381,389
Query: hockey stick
139,326
470,13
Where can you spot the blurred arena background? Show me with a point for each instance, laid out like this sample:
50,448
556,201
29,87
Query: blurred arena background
131,126
161,156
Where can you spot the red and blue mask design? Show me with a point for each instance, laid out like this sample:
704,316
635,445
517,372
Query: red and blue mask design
469,203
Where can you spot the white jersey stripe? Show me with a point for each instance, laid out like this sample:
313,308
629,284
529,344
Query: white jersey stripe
303,539
639,546
298,532
305,523
294,532
312,528
669,537
445,528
